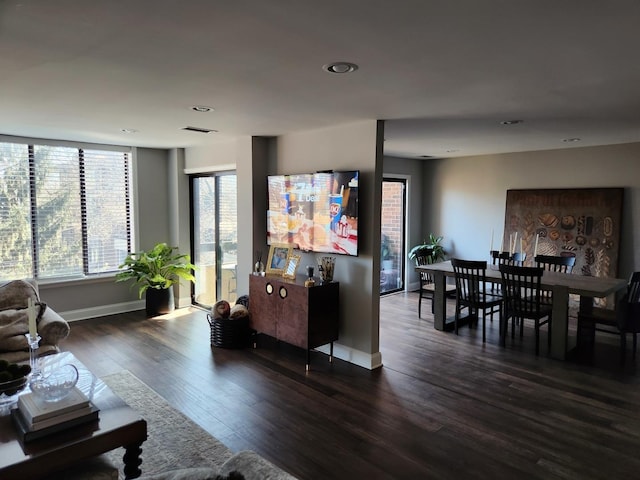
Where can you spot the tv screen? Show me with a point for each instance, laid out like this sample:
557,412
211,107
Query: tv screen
314,212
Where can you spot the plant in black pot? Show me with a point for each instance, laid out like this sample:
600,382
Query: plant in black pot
430,249
154,272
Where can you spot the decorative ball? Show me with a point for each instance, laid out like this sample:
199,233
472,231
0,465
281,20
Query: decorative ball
221,309
239,311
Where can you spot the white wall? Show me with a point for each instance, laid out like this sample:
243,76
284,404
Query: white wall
466,196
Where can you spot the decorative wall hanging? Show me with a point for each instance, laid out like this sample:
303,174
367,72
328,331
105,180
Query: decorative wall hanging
583,223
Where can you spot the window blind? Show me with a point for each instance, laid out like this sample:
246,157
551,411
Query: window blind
65,211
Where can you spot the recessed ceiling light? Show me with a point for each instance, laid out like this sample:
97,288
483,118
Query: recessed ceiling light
202,108
511,122
128,130
340,67
569,140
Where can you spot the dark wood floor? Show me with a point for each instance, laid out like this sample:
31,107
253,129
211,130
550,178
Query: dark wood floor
442,407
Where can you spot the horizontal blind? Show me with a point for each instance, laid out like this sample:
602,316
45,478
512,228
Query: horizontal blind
16,259
65,211
108,219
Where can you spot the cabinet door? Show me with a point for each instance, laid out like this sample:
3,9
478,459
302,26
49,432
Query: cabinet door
264,304
293,321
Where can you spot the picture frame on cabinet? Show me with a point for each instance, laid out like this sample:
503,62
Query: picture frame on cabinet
278,258
292,266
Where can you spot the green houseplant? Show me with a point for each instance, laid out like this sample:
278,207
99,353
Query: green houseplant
154,272
429,248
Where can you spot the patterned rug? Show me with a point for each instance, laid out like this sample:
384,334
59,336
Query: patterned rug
174,441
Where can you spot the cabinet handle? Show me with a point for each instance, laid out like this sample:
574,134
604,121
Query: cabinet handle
268,288
283,292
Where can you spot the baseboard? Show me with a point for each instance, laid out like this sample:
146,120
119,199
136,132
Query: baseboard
370,361
102,310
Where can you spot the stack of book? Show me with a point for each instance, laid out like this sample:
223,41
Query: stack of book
35,419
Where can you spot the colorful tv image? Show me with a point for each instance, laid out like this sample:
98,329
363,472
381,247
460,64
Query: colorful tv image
314,212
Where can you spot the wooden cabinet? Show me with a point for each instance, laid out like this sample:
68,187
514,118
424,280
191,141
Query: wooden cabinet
285,309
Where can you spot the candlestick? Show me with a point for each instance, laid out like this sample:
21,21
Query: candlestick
34,361
31,313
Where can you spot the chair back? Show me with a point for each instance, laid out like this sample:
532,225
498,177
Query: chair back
470,278
425,277
521,290
555,263
629,320
499,257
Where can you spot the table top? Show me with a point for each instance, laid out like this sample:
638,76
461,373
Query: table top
576,284
119,425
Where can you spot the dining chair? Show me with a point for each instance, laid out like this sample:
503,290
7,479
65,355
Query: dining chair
471,293
625,318
427,286
521,288
555,263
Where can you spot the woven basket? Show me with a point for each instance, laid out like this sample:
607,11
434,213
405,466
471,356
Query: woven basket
226,333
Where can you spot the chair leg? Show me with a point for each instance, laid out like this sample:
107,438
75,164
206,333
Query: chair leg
420,306
537,336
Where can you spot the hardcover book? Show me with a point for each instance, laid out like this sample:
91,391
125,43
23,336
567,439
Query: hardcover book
35,410
27,433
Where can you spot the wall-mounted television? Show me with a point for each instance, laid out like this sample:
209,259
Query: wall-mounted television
314,212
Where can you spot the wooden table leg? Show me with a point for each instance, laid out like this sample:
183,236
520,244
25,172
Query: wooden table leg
559,322
439,301
132,460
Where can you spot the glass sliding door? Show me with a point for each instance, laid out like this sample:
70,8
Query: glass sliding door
392,247
215,238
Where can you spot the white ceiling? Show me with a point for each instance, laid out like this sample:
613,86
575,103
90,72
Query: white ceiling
444,73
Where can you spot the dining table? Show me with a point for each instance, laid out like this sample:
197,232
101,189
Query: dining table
561,285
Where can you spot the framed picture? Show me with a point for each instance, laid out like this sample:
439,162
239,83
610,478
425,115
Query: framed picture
292,266
278,256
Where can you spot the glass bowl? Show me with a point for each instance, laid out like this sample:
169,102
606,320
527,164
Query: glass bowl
9,393
56,385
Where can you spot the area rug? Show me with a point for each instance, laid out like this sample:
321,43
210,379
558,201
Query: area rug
174,441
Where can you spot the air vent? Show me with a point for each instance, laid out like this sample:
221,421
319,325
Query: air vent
199,130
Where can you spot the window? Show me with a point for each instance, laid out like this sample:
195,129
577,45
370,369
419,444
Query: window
64,211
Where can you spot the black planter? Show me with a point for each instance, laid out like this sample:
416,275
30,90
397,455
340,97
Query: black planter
159,302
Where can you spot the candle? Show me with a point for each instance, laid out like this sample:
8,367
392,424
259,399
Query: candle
535,248
520,245
31,313
515,241
491,247
502,242
510,242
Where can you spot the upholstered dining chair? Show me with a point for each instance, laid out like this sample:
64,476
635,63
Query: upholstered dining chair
521,289
471,293
625,318
427,287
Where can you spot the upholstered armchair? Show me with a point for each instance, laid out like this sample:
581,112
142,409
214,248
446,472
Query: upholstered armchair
14,322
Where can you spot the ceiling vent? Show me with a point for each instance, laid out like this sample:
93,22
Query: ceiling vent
199,130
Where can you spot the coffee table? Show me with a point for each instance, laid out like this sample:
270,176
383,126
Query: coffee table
119,426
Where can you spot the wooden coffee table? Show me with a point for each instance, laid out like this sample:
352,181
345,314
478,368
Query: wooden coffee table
118,426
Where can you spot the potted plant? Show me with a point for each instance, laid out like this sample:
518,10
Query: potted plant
430,248
154,272
386,254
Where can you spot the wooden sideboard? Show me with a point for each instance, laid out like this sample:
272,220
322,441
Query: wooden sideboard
285,309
